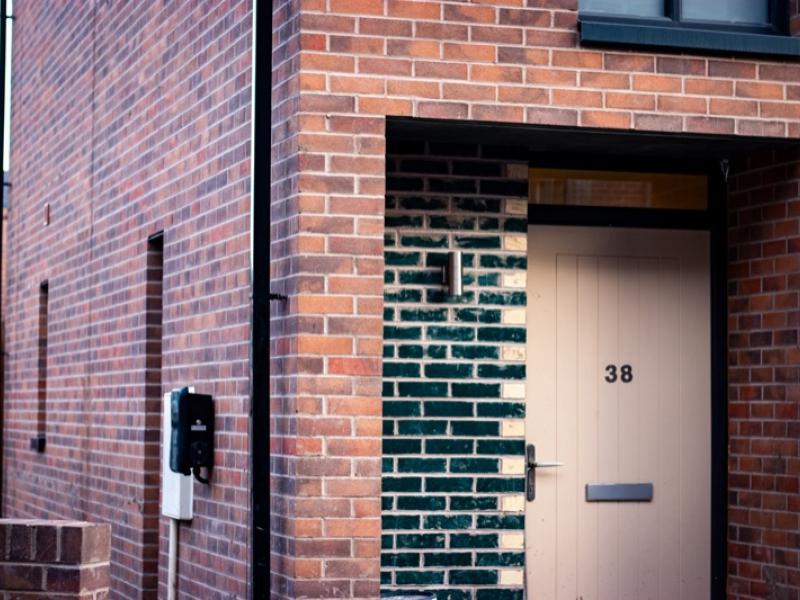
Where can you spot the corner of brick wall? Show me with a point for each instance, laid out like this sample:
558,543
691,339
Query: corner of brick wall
54,559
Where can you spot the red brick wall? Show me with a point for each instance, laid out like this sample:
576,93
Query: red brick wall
58,560
341,67
764,377
130,118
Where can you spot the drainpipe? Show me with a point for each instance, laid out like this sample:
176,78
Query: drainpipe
260,167
3,19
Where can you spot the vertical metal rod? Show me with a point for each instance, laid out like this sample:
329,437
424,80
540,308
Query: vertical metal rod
172,565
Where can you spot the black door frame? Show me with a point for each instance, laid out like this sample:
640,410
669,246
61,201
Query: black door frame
712,220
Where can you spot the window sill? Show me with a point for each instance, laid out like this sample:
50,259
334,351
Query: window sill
605,32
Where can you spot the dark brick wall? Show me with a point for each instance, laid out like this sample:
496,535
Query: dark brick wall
128,119
764,377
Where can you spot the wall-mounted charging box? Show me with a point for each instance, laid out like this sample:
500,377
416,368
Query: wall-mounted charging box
177,490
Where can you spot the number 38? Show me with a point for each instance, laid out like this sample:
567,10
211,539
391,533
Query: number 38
625,373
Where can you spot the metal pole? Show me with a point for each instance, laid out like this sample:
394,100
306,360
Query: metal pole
260,164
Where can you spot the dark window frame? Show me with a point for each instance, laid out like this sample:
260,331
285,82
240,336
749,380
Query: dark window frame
671,31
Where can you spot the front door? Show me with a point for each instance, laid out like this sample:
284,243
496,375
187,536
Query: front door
619,391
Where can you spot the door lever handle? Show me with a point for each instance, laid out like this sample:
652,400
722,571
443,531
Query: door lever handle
530,471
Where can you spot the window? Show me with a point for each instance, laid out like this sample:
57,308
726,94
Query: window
744,26
622,189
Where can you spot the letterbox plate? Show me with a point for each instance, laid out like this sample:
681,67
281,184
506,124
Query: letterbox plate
619,492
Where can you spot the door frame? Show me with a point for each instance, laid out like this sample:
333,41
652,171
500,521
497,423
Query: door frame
714,221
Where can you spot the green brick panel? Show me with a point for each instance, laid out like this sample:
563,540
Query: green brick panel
447,388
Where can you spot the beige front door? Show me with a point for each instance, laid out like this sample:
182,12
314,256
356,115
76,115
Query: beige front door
619,391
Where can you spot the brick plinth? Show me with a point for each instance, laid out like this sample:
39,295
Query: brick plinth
58,560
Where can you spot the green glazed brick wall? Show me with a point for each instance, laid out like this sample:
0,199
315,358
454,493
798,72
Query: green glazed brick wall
454,372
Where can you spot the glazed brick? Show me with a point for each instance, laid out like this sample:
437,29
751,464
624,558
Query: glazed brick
401,446
472,315
423,428
449,484
474,465
474,352
422,390
475,428
400,522
401,409
514,410
402,333
476,205
499,594
450,559
501,334
421,465
485,540
401,559
425,503
511,447
475,577
447,522
439,314
448,371
418,577
391,369
435,446
450,223
501,371
448,408
420,541
420,277
502,559
476,390
402,258
473,503
460,334
498,522
500,485
401,484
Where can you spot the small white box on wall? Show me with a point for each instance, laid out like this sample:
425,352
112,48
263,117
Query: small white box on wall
177,490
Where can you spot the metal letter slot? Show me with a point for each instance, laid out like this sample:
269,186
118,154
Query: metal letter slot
530,472
619,492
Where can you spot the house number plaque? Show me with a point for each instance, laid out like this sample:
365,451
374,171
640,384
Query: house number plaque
623,373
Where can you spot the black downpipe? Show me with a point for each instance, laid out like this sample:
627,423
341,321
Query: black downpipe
3,20
259,359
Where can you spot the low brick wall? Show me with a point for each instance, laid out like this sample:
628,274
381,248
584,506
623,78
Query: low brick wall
54,559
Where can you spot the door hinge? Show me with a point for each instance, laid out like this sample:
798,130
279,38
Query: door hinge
725,167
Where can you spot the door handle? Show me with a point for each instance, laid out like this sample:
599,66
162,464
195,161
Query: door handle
530,472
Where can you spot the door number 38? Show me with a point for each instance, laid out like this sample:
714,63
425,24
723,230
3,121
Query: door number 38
624,373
